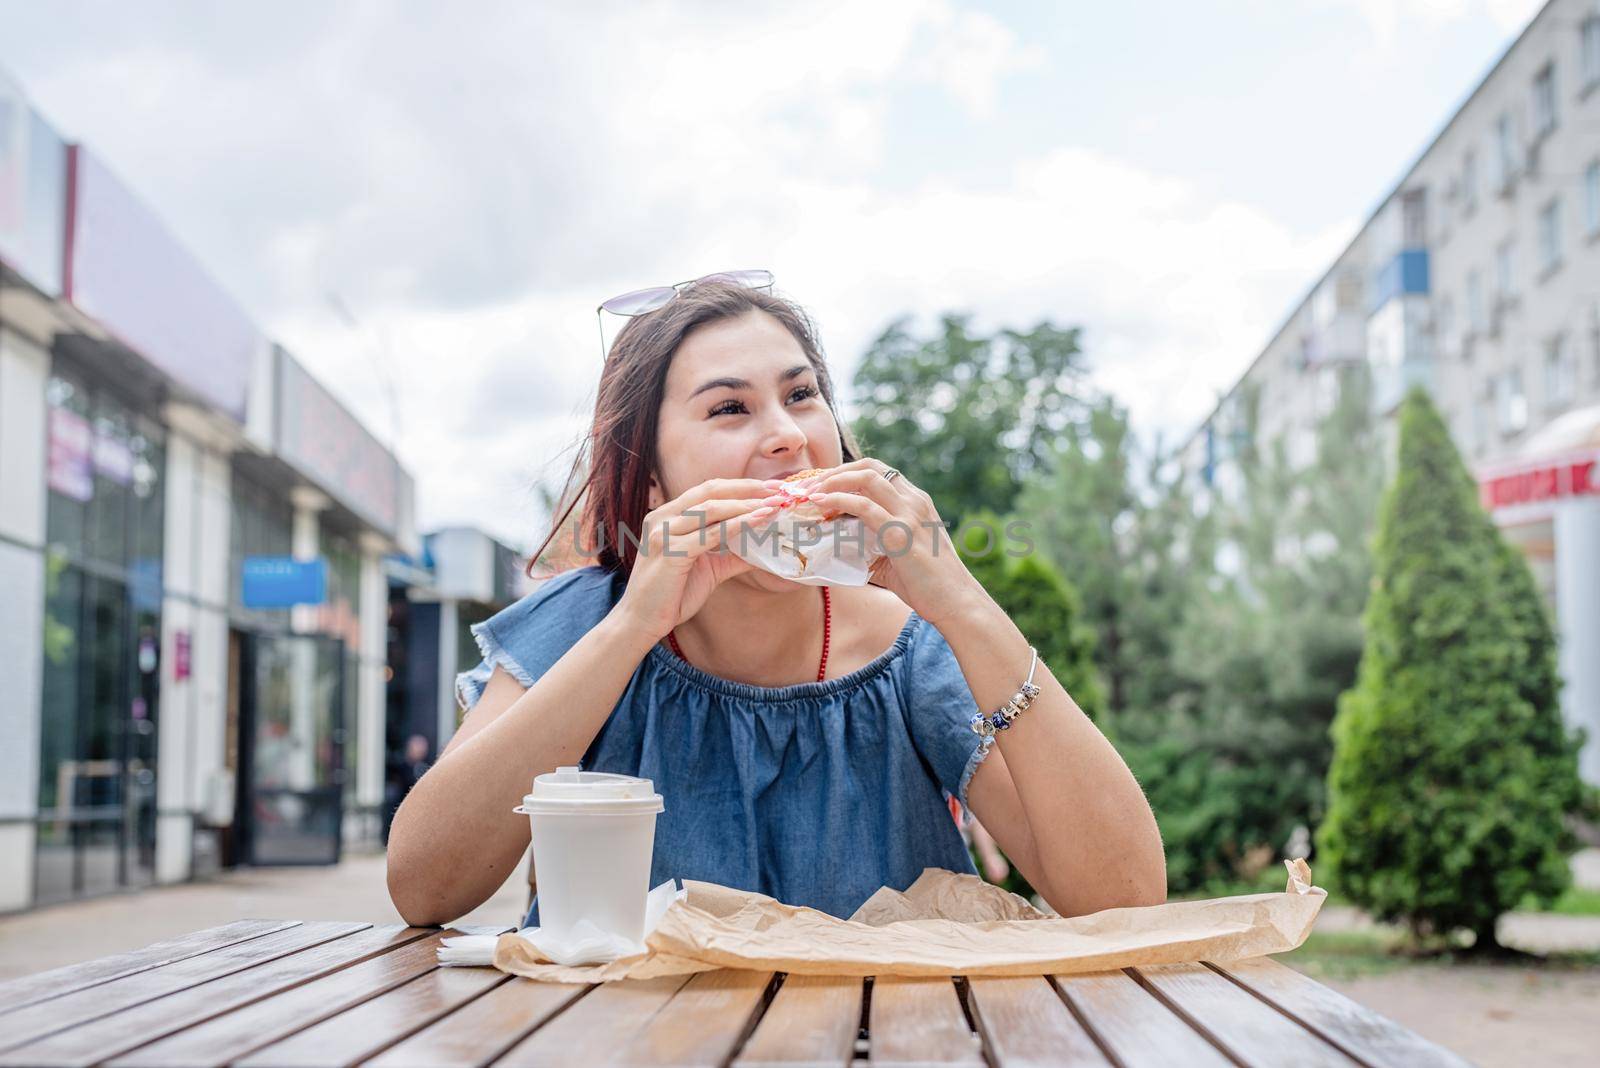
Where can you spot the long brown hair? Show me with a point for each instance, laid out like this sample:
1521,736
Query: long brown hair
610,478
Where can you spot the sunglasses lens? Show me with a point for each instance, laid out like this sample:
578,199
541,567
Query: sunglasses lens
639,301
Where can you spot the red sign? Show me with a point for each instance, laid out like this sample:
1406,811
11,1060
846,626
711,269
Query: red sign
180,655
1579,478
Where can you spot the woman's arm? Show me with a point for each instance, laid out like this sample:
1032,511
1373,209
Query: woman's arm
1053,791
455,839
1061,802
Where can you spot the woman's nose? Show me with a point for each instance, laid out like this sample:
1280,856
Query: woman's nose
784,433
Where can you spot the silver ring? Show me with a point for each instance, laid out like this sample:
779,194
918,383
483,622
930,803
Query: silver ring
891,474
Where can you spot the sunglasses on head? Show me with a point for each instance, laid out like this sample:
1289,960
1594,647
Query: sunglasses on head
640,301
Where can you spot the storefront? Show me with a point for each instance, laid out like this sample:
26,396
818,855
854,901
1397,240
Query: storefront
350,507
1548,505
287,711
463,577
162,717
100,694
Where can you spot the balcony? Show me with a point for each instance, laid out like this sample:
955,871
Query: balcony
1406,274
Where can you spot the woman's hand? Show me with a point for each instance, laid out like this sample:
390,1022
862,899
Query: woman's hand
919,562
682,553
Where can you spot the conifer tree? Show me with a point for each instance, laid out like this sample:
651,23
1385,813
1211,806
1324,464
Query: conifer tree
1452,771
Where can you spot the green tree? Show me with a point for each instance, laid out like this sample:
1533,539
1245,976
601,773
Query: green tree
968,416
1452,771
1234,750
1270,643
1114,531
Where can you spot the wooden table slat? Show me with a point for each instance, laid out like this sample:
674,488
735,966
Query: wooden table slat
598,1026
375,1025
1024,1022
275,992
1354,1028
704,1021
120,1032
91,1003
246,1030
1236,1020
485,1027
919,1021
28,990
1136,1026
813,1021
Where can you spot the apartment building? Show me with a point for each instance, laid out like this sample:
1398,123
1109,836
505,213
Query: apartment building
1477,278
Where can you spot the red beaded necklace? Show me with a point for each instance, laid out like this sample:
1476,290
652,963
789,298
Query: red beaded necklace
827,633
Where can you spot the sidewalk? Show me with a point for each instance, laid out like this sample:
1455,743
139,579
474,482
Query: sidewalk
352,890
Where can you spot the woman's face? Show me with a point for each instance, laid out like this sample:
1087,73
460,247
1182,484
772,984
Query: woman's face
741,401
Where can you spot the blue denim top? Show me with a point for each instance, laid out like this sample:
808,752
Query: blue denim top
816,794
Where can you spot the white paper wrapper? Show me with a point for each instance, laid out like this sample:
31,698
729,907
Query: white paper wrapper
584,944
944,924
838,552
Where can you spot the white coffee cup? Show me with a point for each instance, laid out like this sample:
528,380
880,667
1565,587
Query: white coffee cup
593,840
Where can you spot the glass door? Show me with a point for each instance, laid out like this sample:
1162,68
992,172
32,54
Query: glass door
291,752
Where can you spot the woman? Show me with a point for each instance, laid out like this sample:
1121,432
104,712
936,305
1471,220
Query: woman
803,739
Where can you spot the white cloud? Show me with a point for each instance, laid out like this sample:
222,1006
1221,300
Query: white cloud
471,189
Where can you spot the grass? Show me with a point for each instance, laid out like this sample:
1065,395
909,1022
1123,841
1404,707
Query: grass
1341,955
1577,901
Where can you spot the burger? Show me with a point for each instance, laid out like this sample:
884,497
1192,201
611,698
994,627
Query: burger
796,526
800,511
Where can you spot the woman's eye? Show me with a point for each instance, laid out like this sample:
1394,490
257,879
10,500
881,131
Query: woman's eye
733,407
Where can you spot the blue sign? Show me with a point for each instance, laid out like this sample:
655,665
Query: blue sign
282,581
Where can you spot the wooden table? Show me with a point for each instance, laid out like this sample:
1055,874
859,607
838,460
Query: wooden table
278,992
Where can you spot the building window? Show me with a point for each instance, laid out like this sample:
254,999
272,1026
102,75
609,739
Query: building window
1469,182
1591,199
1591,51
1505,272
1505,155
100,698
1550,236
1480,423
1477,317
1444,326
1560,376
262,524
1511,403
1414,218
1327,391
1594,340
1544,101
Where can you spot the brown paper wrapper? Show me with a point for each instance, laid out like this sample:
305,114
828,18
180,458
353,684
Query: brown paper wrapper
943,924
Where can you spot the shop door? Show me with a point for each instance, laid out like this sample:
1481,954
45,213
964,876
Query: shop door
97,825
291,749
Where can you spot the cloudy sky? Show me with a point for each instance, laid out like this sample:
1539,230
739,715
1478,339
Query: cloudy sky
469,180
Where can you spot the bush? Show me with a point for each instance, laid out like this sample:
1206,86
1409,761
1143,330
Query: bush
1223,820
1042,604
1452,771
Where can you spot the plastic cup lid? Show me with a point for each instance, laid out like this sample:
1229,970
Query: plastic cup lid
569,791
